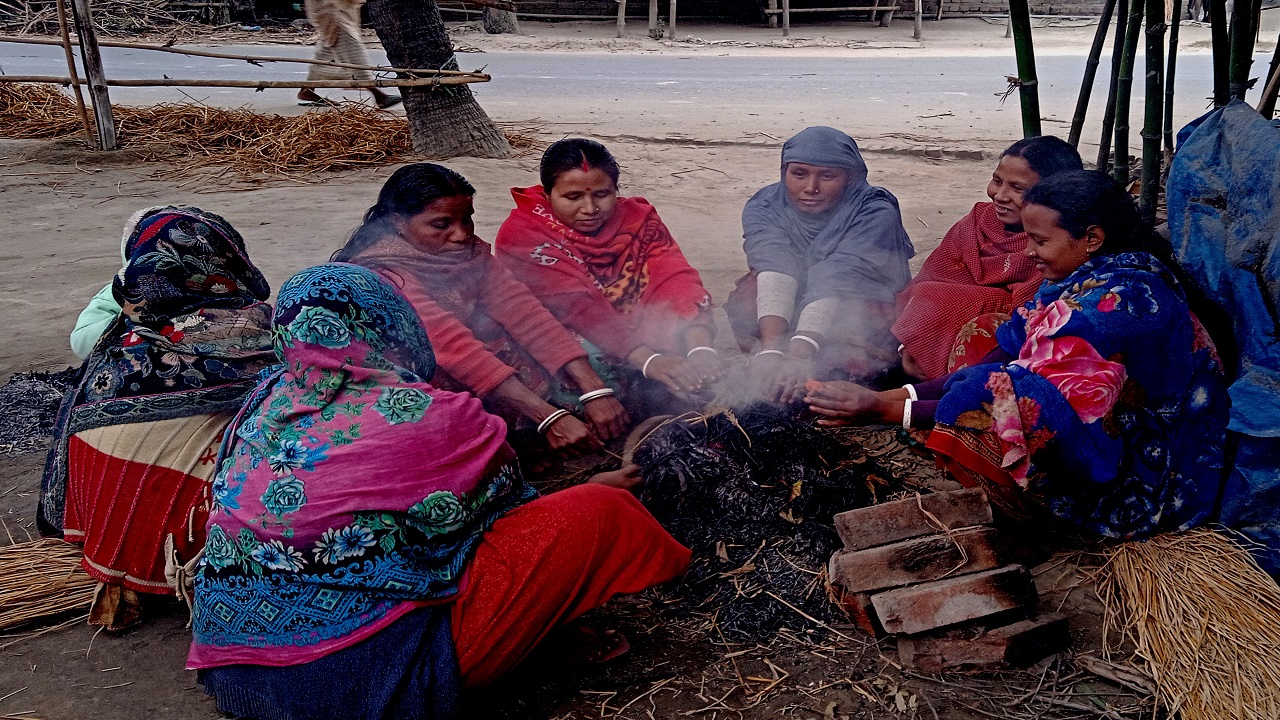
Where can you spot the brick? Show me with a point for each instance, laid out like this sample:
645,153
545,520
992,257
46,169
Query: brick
902,519
915,561
954,600
1018,645
860,610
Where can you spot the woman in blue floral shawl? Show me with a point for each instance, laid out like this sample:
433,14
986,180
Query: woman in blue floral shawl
134,444
1105,404
371,539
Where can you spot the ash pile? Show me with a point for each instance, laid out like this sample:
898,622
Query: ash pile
28,407
753,493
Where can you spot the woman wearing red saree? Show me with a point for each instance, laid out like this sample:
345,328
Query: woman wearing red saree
979,273
609,269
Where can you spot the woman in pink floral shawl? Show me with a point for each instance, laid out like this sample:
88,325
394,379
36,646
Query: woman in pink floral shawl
1105,404
371,539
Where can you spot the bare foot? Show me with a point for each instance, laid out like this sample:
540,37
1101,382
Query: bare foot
307,96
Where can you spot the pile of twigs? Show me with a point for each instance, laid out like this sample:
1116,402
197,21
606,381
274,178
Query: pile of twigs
39,579
753,493
112,16
1205,619
348,136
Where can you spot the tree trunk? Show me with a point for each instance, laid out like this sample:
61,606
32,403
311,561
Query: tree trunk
444,121
498,21
1243,31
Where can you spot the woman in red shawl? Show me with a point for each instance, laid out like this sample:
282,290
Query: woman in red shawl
609,269
980,272
492,337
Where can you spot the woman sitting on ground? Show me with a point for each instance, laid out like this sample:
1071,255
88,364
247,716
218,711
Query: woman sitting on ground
491,335
134,443
828,255
609,269
980,272
1104,403
372,545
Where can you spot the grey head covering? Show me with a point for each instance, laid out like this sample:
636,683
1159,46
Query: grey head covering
858,249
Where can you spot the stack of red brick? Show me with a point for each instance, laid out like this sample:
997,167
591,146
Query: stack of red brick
929,570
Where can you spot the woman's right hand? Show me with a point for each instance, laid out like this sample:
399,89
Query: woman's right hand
844,403
676,373
607,417
572,437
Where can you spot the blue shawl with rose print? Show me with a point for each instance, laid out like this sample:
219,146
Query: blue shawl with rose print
1114,414
347,487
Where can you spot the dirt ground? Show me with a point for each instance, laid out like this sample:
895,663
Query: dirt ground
63,208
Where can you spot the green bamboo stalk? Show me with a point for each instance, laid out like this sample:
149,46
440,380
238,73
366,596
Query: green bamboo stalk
1109,110
1170,73
1243,33
1221,52
1152,154
1028,85
1090,72
1267,103
1124,92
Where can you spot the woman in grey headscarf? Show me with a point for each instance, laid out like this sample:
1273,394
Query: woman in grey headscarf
828,255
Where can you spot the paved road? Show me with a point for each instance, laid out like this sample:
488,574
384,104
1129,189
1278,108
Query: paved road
706,97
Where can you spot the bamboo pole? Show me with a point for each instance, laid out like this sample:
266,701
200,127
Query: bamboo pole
1153,123
622,16
252,59
1243,33
1170,74
1028,90
1221,52
1090,73
1124,93
786,18
257,84
65,32
92,60
1267,103
1109,111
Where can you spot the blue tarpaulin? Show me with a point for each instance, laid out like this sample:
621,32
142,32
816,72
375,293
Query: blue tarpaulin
1224,222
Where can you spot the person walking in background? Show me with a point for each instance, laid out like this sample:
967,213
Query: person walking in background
337,24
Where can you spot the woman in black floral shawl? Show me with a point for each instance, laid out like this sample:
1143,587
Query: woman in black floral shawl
134,445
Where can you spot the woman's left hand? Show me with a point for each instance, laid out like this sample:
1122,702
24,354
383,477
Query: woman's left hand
707,364
844,403
607,417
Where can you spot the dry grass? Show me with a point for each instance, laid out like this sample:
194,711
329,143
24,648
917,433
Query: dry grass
39,579
1205,619
253,145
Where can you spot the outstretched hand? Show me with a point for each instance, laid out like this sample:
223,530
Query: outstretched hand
844,403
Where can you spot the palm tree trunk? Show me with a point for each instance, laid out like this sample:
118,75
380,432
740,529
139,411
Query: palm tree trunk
1124,92
1109,111
1170,73
444,121
1090,72
1154,119
1028,85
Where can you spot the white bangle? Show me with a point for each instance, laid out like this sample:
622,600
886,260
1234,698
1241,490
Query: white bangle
769,352
701,347
809,340
906,414
644,369
901,347
911,391
587,397
551,420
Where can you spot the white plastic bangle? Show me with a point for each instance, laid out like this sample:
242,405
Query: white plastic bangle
551,420
906,414
911,391
901,347
807,339
769,352
644,369
587,397
701,347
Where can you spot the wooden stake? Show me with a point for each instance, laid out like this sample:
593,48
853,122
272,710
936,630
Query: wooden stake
258,84
65,31
1124,92
1267,103
1109,111
1153,122
1028,90
1090,73
919,19
671,29
786,18
622,16
1171,68
97,78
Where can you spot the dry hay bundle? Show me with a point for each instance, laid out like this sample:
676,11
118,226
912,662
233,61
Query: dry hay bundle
753,493
349,136
128,16
39,579
1205,619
